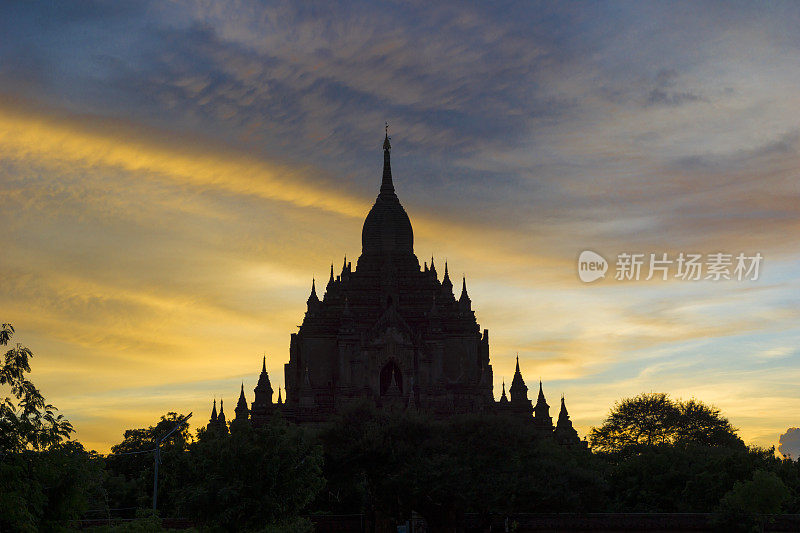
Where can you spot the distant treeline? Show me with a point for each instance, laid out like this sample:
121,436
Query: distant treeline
652,454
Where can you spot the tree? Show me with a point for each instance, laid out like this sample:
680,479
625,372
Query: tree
703,424
365,452
251,478
655,419
387,463
26,421
744,507
764,494
45,478
129,467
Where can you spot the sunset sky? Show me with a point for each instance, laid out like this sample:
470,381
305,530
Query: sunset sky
172,175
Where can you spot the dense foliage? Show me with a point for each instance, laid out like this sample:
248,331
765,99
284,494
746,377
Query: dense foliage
652,454
44,478
129,467
655,419
251,477
388,464
26,421
248,478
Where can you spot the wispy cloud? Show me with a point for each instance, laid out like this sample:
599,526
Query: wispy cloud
174,173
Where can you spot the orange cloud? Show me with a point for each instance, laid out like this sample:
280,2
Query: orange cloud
74,142
148,272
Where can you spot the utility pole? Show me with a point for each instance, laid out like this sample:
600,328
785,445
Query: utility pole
157,456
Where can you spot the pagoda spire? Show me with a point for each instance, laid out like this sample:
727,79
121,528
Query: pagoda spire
541,393
565,433
330,280
214,413
447,285
387,187
518,390
563,415
263,388
463,301
262,399
280,400
313,298
503,397
221,417
345,269
541,411
242,412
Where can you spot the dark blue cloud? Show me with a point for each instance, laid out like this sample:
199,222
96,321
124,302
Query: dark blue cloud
482,98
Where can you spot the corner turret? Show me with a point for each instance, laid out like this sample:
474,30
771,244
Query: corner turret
313,299
565,433
221,425
518,390
541,412
242,412
447,285
503,397
464,303
520,404
262,407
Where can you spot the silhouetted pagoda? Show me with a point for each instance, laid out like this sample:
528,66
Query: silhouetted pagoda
391,332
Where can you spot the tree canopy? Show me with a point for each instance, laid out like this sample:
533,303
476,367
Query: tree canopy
655,418
26,421
44,478
388,463
651,454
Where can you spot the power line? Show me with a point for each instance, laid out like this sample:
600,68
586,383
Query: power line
130,453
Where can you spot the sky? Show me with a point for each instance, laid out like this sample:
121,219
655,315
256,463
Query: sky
172,175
